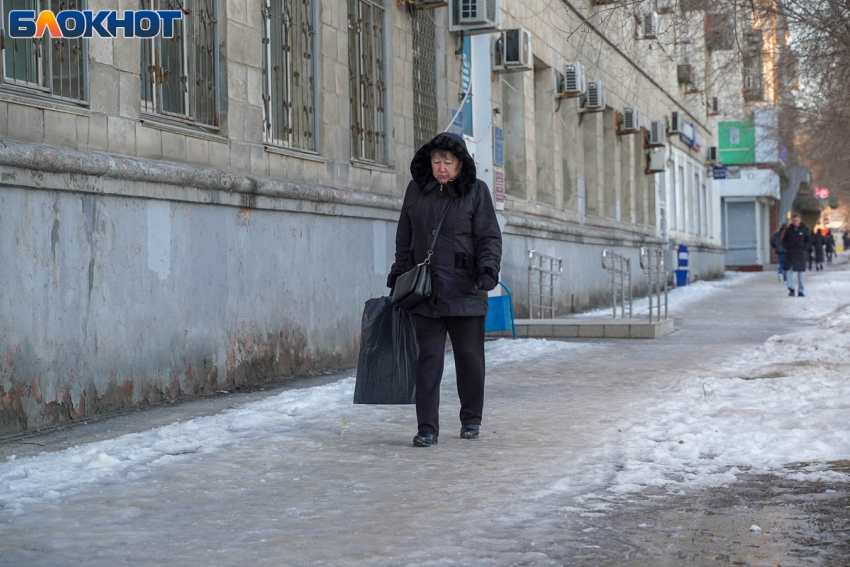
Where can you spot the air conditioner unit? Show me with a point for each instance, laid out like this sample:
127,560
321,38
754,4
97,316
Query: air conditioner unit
575,81
655,161
474,16
714,106
676,123
595,99
713,155
513,51
665,6
694,85
631,119
657,135
685,74
650,24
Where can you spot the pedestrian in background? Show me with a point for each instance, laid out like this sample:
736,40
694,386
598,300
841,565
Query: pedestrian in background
465,266
830,246
797,242
818,242
846,241
776,244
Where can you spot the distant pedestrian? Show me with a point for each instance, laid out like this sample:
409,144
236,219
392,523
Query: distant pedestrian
830,247
818,242
797,241
776,244
467,255
846,240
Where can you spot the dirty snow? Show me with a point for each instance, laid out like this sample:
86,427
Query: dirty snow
678,298
779,409
51,476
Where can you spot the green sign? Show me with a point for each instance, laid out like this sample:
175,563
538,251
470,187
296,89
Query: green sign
737,143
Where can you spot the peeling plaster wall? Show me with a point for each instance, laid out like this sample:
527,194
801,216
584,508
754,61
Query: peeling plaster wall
110,303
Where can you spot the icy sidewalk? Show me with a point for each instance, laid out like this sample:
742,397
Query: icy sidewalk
764,411
680,298
50,476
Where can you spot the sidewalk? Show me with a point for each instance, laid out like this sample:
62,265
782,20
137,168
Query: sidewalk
579,437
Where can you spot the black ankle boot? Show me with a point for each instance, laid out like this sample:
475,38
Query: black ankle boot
469,431
425,440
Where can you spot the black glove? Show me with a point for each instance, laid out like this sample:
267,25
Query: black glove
485,282
391,280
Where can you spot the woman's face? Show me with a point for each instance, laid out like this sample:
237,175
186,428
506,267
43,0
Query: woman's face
445,166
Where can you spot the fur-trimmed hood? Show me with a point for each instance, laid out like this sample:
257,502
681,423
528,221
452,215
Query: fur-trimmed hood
420,167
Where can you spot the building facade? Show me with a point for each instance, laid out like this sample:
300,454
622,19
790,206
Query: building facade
211,211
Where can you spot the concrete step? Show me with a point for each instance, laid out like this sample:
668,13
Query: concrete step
590,328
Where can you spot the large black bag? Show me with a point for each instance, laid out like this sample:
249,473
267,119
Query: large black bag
386,369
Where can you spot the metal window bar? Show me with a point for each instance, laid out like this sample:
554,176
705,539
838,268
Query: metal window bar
653,262
620,268
180,74
424,77
367,86
543,271
289,85
53,66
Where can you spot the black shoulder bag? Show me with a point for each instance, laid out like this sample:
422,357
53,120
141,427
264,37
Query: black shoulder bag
413,287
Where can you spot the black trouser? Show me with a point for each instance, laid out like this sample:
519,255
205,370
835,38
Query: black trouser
467,335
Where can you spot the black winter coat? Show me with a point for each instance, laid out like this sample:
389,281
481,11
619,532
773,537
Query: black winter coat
830,243
469,243
817,243
796,242
776,242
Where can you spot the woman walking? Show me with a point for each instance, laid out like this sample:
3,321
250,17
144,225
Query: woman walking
446,201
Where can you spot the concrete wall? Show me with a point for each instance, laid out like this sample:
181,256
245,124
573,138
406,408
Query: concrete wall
150,258
114,301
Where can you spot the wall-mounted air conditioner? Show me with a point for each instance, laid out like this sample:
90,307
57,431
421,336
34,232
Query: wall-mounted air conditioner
474,16
649,25
676,123
657,134
631,120
693,86
594,101
665,6
713,155
685,73
575,80
655,161
513,51
713,106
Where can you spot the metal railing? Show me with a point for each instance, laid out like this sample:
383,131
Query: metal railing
653,262
543,270
620,269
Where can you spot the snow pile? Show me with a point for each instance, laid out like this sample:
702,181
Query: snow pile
679,298
780,409
52,475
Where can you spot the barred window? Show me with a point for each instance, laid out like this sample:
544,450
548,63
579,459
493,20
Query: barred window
289,66
424,78
367,86
180,73
55,67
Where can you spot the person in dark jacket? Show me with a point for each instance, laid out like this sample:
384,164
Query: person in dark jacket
465,266
846,240
797,241
776,244
818,242
829,239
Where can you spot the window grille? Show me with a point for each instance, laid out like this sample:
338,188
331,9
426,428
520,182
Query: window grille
289,85
55,67
180,73
367,86
424,78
